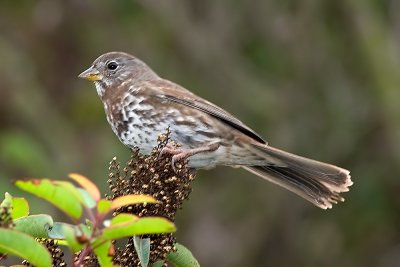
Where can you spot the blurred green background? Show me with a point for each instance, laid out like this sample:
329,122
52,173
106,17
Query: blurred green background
317,78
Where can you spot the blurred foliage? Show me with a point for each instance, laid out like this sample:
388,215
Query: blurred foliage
318,78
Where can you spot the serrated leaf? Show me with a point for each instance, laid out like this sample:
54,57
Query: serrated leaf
61,194
130,200
35,225
147,225
182,257
24,246
87,184
142,247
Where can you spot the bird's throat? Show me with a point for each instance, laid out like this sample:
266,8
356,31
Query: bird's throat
100,88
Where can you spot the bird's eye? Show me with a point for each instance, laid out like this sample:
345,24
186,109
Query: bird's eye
112,65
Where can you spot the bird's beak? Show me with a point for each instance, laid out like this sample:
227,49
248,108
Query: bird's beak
91,74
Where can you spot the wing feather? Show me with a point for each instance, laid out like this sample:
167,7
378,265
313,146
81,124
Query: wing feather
177,94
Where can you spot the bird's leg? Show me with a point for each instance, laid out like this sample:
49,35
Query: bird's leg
180,153
170,149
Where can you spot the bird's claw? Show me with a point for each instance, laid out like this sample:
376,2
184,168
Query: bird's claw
170,149
183,154
176,152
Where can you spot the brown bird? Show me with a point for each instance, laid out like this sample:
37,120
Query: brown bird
140,105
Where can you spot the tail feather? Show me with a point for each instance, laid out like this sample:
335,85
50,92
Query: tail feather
318,182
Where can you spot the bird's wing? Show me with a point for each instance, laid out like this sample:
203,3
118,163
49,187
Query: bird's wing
175,93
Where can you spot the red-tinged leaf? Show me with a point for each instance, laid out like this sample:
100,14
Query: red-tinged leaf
130,200
103,206
123,218
87,184
61,194
147,225
24,246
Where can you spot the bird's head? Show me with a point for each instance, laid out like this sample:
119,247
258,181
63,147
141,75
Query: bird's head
117,70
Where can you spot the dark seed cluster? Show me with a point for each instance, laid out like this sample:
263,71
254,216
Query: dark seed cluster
151,175
89,261
56,253
5,222
5,217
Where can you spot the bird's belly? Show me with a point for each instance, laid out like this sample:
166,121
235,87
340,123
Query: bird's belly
139,126
136,132
145,138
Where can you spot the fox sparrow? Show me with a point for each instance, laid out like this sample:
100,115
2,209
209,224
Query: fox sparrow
140,105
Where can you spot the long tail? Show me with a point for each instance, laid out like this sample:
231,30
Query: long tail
318,182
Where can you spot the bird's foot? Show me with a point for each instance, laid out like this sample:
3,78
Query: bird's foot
182,154
170,149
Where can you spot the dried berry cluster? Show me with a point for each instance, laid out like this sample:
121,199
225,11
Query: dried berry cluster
5,217
56,253
151,175
89,261
5,222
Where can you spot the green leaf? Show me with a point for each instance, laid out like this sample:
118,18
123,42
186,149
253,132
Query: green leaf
142,247
158,264
182,257
60,193
86,229
88,201
63,243
105,253
71,236
103,206
88,185
20,208
147,225
24,246
56,232
124,218
130,200
35,225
